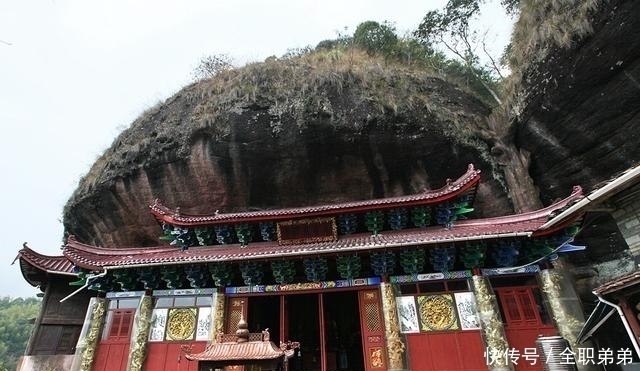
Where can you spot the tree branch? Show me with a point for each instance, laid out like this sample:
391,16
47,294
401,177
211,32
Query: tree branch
493,62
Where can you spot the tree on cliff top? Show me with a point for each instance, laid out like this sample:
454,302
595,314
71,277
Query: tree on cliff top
451,28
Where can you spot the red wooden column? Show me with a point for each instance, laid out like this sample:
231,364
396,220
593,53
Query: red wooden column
284,324
323,342
372,328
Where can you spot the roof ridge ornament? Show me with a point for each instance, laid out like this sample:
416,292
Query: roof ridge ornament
449,183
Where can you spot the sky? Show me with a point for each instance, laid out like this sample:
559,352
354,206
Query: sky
75,73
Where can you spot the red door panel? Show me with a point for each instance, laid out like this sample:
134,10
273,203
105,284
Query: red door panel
420,357
523,324
471,350
171,356
446,351
443,348
156,356
113,351
111,357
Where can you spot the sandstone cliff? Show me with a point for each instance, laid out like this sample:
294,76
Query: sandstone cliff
320,128
576,107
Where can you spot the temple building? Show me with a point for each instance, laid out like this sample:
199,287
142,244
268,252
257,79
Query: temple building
412,282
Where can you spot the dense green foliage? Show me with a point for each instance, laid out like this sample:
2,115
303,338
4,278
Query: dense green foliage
447,29
16,322
417,50
375,38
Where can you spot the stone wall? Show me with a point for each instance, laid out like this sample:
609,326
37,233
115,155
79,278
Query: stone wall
60,362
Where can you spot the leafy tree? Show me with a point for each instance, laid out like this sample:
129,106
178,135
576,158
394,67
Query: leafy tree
327,44
376,38
344,40
16,323
450,27
412,52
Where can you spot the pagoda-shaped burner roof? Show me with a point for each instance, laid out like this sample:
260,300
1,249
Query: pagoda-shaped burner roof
243,348
465,184
231,352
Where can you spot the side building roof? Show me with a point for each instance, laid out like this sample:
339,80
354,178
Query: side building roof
618,284
35,266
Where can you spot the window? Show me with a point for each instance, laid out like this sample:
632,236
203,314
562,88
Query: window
56,339
119,319
119,325
186,301
520,308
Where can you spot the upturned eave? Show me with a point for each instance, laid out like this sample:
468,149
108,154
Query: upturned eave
466,184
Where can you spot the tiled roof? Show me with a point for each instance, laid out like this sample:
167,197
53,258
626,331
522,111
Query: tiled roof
45,263
618,284
232,351
35,266
525,224
467,182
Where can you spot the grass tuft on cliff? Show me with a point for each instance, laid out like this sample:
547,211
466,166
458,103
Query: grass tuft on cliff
543,25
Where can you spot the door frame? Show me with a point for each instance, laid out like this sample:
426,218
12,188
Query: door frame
371,339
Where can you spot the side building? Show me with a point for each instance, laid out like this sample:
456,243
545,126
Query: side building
402,283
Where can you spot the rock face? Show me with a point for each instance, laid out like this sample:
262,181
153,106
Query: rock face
580,122
331,132
581,118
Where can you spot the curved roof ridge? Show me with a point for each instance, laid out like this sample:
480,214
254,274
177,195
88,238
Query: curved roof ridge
361,242
524,224
74,244
31,259
451,189
26,252
84,255
545,212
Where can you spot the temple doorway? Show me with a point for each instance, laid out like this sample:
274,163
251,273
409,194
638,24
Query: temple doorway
264,313
303,325
299,317
339,345
343,336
